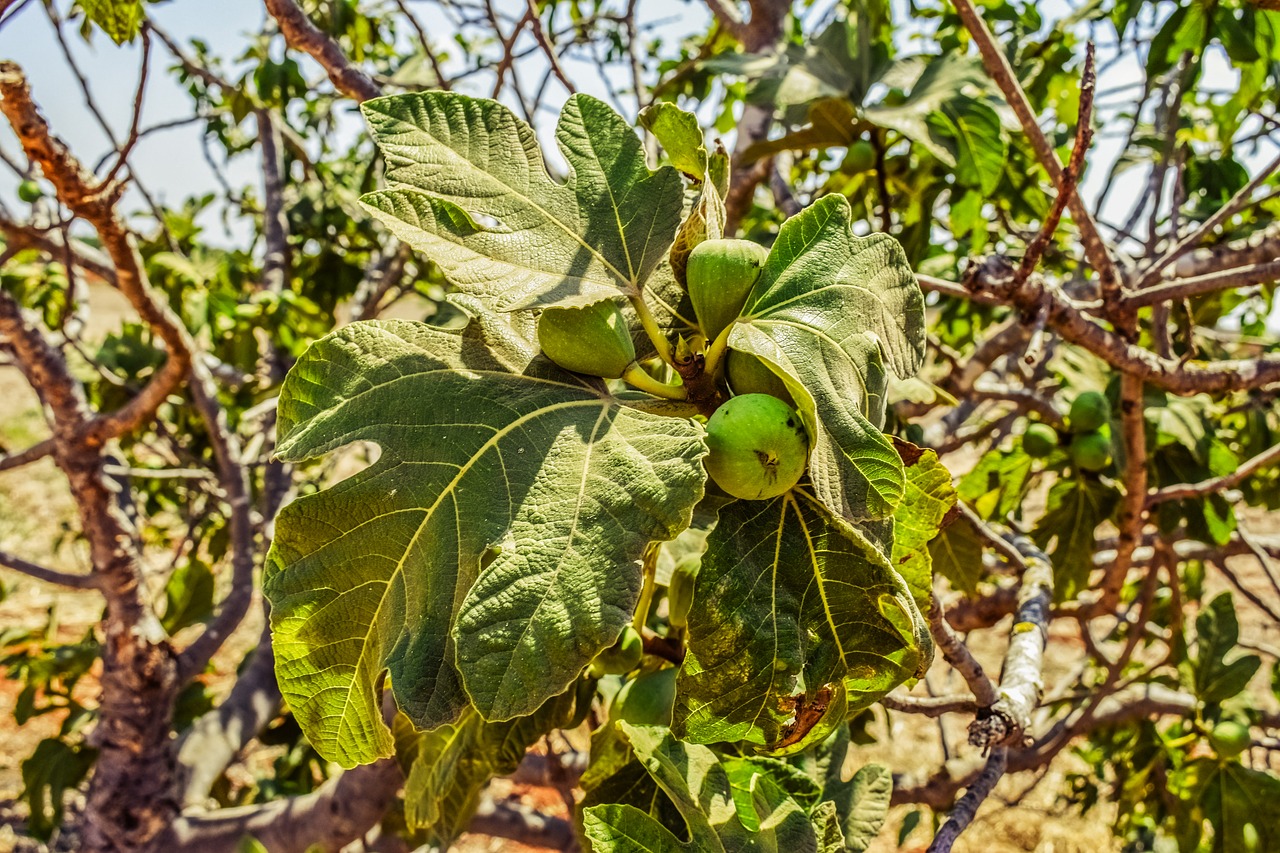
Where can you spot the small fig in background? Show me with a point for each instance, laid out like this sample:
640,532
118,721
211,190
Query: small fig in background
1089,411
861,157
680,590
720,275
750,375
29,191
622,656
647,699
1039,440
1230,738
759,447
593,339
1091,451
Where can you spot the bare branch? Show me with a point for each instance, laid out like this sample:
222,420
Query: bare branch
726,12
303,35
929,706
34,453
132,138
957,654
965,811
540,35
1183,288
997,65
53,576
1216,484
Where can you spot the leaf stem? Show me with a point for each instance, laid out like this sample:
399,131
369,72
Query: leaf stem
717,350
641,617
640,378
651,329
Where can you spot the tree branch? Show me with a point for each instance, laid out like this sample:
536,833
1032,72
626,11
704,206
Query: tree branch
303,35
1216,484
1183,288
965,811
53,576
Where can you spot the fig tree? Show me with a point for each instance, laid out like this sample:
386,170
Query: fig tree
1091,451
1039,440
758,446
749,375
720,274
1230,738
680,590
622,656
1089,411
593,340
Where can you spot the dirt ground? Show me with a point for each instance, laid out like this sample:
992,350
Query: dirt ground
1024,814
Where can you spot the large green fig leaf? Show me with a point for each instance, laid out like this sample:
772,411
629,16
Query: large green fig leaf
919,518
493,546
468,186
447,769
729,806
797,618
830,313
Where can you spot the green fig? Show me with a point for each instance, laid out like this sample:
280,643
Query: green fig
680,590
1089,411
720,274
758,446
593,340
860,158
647,699
1230,738
29,191
750,375
1039,440
1091,451
622,656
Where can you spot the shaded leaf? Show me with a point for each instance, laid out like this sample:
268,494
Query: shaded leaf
54,768
1076,507
461,542
957,556
797,620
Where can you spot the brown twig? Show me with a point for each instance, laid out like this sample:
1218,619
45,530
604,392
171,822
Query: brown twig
1215,485
53,576
131,139
965,811
303,35
957,654
1182,288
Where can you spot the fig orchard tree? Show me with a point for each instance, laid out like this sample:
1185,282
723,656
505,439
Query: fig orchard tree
674,414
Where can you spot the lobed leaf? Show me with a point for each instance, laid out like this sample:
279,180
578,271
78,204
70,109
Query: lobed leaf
489,553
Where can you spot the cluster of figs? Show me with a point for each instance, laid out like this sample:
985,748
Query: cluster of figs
758,446
1090,433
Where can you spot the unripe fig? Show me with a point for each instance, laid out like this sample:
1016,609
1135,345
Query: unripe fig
758,446
749,375
29,191
720,274
647,700
1039,440
622,656
593,340
1089,411
1230,738
680,590
861,157
1091,451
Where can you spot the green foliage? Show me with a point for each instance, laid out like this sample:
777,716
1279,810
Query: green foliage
119,19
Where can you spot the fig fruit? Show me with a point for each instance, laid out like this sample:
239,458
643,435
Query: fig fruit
1091,451
1089,411
680,590
750,375
720,274
1230,738
29,191
622,656
1039,440
593,340
860,158
758,446
647,700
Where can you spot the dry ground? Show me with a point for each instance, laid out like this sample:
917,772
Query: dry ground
35,513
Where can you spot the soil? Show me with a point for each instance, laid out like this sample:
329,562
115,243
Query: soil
1026,812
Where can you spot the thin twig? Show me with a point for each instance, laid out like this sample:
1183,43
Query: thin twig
1214,485
134,125
53,576
965,811
303,35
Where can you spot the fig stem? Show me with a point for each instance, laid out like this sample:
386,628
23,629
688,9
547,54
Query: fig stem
637,376
717,351
641,617
650,324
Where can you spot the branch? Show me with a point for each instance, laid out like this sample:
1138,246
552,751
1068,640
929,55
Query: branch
1259,248
957,654
929,706
965,811
1002,73
995,275
303,35
35,452
1182,288
1216,484
1023,678
53,576
52,243
726,12
215,739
